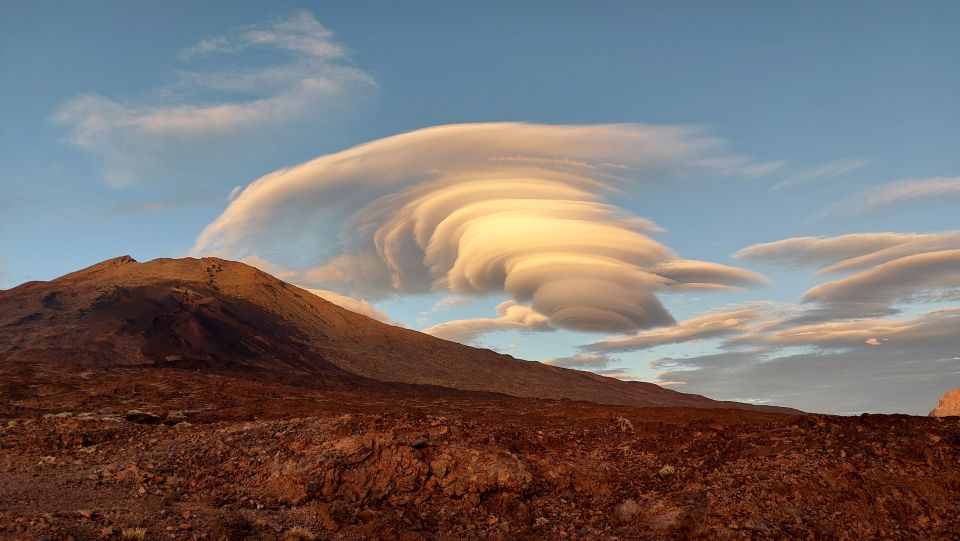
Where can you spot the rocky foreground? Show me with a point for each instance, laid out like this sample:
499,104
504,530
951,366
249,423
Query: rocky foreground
182,455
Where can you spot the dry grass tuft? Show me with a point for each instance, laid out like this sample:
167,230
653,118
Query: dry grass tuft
133,534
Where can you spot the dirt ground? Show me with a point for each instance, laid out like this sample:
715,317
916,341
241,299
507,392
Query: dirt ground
190,455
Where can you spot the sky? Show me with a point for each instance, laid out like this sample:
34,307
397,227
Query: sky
746,200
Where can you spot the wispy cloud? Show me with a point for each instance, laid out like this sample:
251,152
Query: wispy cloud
887,269
449,302
620,373
175,201
670,383
857,333
440,209
215,44
874,364
310,78
866,341
360,306
596,363
932,190
820,173
511,316
848,252
875,290
585,361
718,323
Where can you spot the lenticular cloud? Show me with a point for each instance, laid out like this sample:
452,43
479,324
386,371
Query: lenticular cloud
484,209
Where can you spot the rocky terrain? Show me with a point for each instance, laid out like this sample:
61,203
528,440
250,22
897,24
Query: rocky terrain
949,405
188,455
201,399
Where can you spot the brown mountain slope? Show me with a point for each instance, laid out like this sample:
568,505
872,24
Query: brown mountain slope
226,316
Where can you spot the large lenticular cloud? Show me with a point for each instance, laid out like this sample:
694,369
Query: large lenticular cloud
480,209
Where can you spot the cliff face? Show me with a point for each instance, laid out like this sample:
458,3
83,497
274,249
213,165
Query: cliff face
949,405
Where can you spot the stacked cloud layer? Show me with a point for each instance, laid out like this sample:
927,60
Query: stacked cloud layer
486,209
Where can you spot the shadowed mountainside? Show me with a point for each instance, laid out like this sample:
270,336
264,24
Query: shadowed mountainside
220,315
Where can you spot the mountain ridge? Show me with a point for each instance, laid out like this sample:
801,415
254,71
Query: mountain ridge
219,314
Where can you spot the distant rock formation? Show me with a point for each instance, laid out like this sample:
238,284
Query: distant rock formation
949,405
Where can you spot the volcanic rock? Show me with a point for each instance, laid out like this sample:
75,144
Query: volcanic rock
949,405
142,417
624,512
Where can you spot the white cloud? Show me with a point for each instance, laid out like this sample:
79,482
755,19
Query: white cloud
210,112
846,344
216,44
598,364
721,322
888,268
449,302
854,333
826,171
585,361
620,373
359,306
933,190
849,252
486,209
874,365
692,274
511,316
898,280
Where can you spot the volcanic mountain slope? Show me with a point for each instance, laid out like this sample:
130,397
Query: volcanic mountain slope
220,315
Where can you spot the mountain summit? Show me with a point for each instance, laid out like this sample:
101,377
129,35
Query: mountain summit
228,317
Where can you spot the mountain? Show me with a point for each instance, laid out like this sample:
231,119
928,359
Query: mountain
204,399
222,316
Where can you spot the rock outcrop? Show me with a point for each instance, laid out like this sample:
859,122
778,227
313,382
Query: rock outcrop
949,405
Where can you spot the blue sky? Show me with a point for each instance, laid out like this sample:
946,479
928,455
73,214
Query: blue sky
850,111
